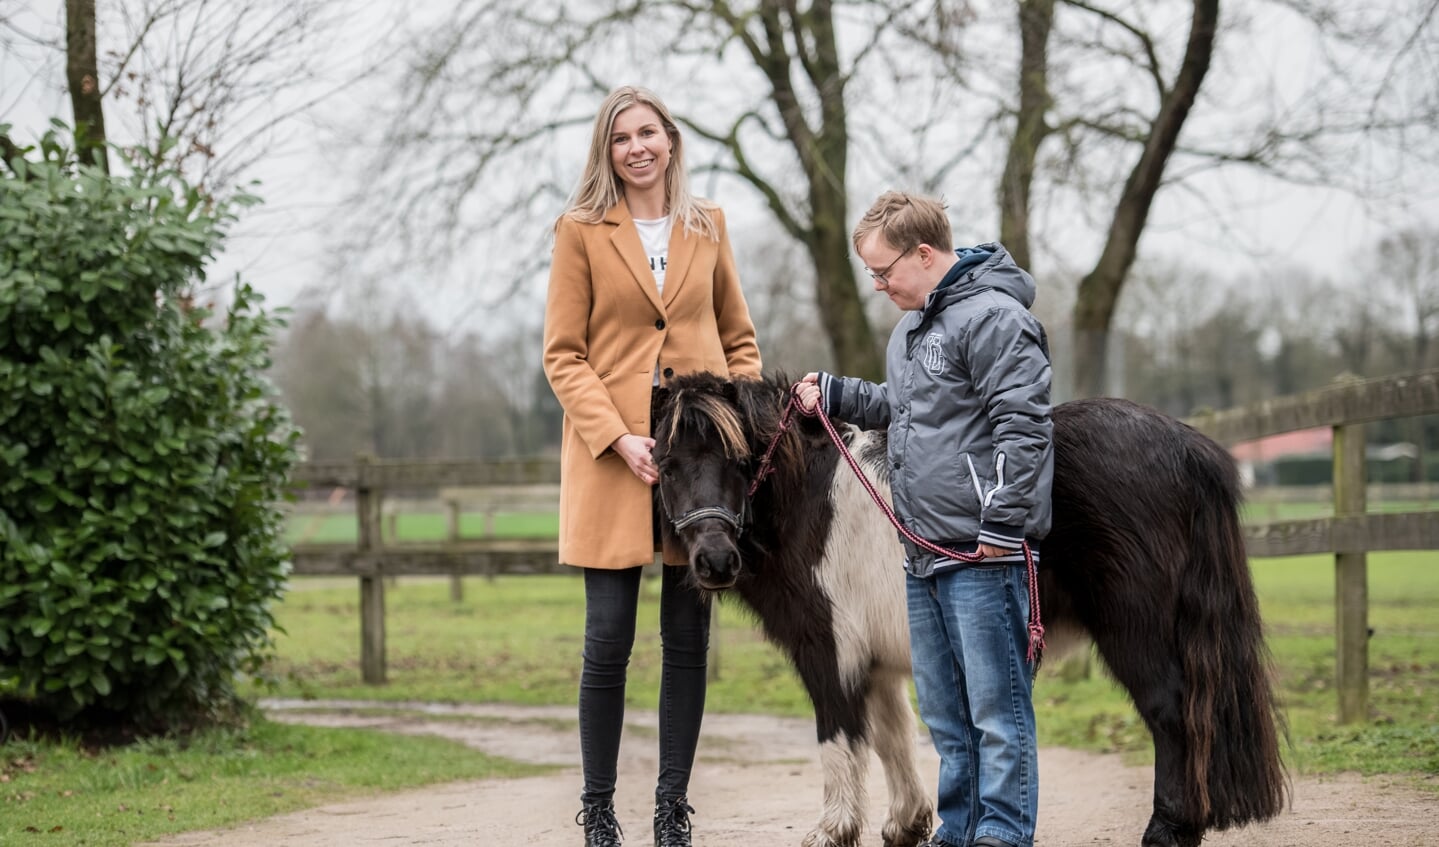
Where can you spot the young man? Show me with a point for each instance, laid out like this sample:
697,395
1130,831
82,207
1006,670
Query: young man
966,401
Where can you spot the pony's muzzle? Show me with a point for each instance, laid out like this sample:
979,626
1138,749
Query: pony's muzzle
715,566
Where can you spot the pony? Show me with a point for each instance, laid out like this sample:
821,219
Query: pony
1145,557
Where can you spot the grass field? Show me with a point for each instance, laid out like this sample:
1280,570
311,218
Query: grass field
63,793
341,528
517,639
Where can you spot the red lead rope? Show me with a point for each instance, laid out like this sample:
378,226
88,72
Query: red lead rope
1035,626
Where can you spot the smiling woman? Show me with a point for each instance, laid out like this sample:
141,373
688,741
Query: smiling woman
642,289
640,154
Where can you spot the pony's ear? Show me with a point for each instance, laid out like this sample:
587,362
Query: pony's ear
729,391
661,396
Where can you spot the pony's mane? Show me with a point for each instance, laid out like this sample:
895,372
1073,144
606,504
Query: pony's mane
745,413
695,408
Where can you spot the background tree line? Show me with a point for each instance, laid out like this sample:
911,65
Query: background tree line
1066,128
385,381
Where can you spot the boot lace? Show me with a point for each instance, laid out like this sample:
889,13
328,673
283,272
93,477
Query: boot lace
602,829
672,823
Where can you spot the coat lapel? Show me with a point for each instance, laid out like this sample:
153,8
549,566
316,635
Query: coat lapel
626,239
682,252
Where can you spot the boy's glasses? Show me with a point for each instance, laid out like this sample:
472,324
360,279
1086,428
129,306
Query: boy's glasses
882,277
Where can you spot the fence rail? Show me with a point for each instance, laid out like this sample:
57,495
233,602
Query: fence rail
1350,534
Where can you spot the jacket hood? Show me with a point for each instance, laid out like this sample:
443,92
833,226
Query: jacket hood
985,267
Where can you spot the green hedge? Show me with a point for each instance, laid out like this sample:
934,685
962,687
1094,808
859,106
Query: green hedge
141,450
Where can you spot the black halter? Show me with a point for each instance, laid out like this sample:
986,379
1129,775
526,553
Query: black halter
737,521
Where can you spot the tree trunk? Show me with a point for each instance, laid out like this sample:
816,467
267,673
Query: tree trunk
82,73
1036,19
1100,288
823,154
840,307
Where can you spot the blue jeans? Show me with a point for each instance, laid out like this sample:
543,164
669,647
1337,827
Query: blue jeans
968,639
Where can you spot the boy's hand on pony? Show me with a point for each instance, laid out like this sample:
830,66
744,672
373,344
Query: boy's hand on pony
807,392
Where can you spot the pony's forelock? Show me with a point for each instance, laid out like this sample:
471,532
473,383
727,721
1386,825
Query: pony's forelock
704,408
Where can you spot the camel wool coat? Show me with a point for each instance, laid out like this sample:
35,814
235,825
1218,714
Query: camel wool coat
606,328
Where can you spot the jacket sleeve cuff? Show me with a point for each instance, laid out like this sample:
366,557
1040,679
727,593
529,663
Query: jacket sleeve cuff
830,390
1001,535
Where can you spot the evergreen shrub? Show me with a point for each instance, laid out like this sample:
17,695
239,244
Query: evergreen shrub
142,451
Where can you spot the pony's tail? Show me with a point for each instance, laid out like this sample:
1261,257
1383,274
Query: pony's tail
1233,772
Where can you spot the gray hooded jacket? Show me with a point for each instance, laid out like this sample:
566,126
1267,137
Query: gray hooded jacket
967,405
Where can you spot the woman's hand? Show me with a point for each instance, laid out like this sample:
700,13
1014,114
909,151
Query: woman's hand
807,392
635,450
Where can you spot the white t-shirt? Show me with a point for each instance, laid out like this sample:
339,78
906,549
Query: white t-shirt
655,236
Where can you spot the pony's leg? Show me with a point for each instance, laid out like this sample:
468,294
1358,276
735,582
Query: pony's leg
841,820
1159,700
911,815
1163,712
839,709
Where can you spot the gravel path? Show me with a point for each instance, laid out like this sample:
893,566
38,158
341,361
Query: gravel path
757,783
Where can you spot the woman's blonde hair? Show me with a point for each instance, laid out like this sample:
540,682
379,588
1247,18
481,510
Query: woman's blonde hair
600,188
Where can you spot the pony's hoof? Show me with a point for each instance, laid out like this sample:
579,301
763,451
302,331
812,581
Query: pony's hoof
912,835
820,838
1163,834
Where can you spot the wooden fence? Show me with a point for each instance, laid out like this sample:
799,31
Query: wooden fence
1350,534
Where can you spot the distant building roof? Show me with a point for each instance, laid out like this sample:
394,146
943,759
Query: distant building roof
1304,442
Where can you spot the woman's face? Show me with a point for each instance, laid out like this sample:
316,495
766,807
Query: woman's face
639,148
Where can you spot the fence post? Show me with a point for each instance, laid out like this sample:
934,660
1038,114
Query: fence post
1351,580
368,501
452,536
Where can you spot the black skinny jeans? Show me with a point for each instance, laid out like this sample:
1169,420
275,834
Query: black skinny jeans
611,603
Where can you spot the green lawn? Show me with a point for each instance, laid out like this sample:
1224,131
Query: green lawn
1260,511
341,529
1297,601
62,793
515,640
518,639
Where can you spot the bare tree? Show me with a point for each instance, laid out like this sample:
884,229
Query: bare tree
82,77
1099,290
500,83
1102,82
1407,271
205,86
1097,98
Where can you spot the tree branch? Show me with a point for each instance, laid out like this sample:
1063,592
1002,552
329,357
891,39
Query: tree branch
1156,73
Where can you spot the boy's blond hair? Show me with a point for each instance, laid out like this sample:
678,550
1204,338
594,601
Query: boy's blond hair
906,221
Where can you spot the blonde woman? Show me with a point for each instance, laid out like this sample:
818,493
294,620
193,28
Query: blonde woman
642,287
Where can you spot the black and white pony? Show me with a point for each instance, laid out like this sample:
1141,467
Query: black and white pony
1145,556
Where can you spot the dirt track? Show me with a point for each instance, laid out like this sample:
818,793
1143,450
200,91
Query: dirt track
757,783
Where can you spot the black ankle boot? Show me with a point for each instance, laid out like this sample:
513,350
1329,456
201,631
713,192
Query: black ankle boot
672,822
601,827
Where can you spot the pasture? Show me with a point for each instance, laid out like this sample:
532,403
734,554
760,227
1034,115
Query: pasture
517,640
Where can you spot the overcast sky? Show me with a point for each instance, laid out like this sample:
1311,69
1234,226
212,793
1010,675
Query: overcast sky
283,247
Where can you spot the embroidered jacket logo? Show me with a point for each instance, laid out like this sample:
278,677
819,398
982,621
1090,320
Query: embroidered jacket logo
933,353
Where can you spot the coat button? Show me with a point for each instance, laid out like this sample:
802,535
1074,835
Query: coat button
669,372
660,324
